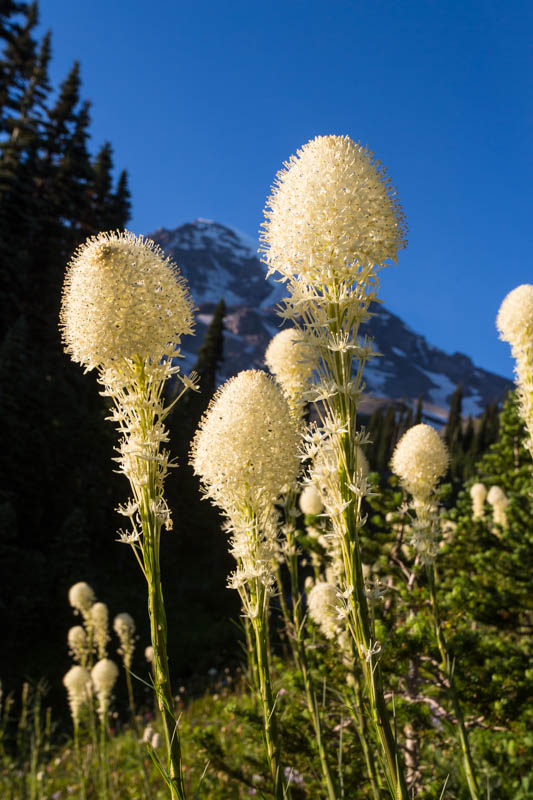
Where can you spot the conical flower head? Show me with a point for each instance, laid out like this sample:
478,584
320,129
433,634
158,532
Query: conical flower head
478,493
323,603
290,358
81,597
331,209
77,682
515,317
246,447
420,460
104,674
123,299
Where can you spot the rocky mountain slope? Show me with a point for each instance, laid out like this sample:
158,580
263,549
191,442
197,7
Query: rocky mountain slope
218,261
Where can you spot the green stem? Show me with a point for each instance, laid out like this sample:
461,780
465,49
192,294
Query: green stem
271,733
158,626
454,698
358,716
300,657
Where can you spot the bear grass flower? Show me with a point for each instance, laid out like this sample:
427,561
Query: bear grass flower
78,644
497,498
124,309
245,451
310,501
478,494
100,626
332,222
104,675
331,211
81,597
515,325
123,298
420,459
324,608
291,360
77,682
124,627
246,447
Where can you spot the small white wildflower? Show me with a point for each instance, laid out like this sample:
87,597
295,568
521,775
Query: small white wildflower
372,650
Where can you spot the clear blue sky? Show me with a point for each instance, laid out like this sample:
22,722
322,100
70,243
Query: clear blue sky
203,101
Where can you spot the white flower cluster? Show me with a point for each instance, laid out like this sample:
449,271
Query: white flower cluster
123,299
332,211
100,626
81,597
246,454
324,608
246,447
332,222
290,357
78,684
420,459
124,627
78,644
515,325
478,493
497,498
124,310
104,675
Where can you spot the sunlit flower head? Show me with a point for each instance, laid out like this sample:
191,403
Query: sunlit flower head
420,460
515,317
323,607
81,597
331,208
246,447
104,674
290,358
77,682
310,500
123,299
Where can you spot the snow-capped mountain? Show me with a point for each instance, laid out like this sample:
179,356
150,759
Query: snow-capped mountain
219,261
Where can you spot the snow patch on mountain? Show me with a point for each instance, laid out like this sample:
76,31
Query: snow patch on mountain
221,262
